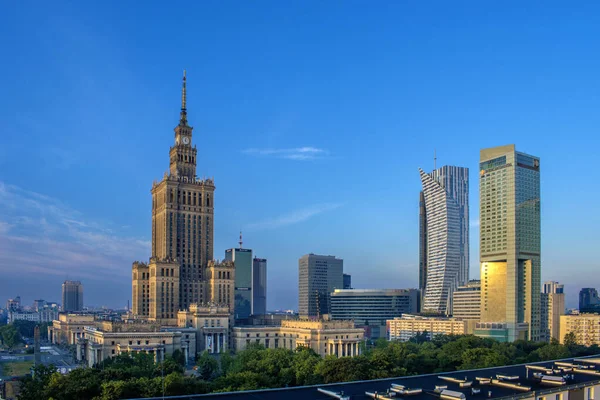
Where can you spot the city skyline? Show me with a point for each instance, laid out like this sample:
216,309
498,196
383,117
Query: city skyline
95,138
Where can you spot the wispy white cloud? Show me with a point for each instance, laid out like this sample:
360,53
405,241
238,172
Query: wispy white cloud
298,153
474,223
293,217
40,234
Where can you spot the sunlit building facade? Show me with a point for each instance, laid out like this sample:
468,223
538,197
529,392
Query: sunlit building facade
510,240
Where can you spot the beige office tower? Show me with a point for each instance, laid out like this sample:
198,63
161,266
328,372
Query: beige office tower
552,307
182,232
510,245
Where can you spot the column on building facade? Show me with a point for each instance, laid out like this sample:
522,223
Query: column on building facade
186,352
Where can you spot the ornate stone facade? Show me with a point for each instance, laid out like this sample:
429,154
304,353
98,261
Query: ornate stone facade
339,338
182,234
212,325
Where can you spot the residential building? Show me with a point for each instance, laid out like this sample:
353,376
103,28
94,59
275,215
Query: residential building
339,338
242,259
408,326
586,328
510,241
212,326
443,236
371,308
589,300
466,301
259,286
347,281
72,296
552,306
182,233
318,277
13,304
109,339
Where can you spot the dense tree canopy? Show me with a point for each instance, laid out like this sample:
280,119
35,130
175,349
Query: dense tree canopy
128,376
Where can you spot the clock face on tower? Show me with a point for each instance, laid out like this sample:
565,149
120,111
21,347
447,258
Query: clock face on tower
186,140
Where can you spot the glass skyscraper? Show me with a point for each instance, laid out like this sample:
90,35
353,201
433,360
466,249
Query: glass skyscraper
443,236
242,259
510,241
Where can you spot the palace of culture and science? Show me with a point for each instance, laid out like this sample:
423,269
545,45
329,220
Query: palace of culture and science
181,271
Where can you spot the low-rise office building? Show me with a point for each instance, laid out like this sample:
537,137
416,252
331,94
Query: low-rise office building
408,326
373,307
585,327
466,301
339,338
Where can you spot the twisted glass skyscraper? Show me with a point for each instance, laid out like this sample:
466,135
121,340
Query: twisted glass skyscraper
444,236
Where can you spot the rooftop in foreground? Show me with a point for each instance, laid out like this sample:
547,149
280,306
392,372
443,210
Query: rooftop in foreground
516,382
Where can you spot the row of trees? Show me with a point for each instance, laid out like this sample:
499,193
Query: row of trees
255,368
12,335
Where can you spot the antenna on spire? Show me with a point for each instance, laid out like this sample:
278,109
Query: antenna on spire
183,94
434,160
183,113
240,242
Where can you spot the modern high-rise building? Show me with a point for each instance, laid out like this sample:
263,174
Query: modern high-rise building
347,281
318,277
466,301
552,306
372,307
182,233
259,286
72,296
589,300
443,236
242,259
510,245
422,248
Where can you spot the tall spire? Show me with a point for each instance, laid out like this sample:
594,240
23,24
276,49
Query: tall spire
183,114
240,242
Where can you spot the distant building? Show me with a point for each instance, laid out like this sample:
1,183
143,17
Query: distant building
259,286
510,242
347,281
552,306
39,304
72,296
444,219
466,301
373,307
242,259
338,338
589,300
408,326
13,304
220,277
586,328
319,276
43,315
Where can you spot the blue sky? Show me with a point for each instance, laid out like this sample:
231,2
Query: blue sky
313,118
